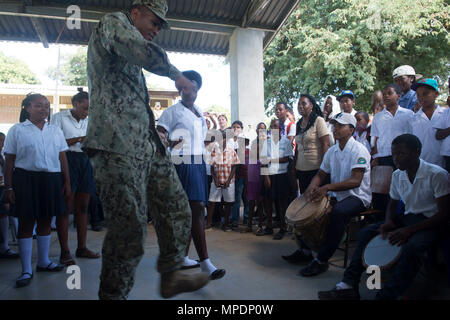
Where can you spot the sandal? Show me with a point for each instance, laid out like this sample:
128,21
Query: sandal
57,267
9,254
24,282
66,259
86,253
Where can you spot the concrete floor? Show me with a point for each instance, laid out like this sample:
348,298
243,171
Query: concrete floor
255,271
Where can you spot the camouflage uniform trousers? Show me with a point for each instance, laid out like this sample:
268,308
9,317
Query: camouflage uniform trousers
128,187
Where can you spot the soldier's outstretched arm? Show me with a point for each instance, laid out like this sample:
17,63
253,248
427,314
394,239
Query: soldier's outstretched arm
121,38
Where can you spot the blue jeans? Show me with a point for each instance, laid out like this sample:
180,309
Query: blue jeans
340,216
239,185
408,264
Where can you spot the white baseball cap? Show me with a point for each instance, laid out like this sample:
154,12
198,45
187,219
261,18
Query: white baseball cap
405,70
345,118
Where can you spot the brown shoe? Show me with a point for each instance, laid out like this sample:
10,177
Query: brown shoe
173,283
86,253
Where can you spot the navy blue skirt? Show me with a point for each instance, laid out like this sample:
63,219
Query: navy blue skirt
194,180
38,194
81,173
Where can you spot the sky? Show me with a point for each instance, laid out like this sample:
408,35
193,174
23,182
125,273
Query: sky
214,70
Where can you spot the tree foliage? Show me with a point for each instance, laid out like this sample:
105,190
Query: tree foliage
13,70
72,69
330,45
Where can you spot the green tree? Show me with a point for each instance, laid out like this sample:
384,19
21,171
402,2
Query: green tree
13,70
330,45
72,69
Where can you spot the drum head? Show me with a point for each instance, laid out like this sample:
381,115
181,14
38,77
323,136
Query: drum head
300,209
380,253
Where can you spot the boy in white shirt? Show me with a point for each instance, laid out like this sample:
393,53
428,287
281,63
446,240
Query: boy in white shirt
425,121
424,188
443,134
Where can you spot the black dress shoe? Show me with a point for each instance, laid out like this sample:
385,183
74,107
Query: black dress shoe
298,257
339,294
217,274
24,282
313,269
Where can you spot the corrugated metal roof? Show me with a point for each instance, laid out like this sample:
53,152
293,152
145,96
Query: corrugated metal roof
201,14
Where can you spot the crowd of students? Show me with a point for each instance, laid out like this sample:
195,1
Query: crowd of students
332,149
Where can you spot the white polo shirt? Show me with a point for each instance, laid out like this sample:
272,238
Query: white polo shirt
431,182
444,123
275,151
70,127
340,163
36,149
425,130
180,122
386,127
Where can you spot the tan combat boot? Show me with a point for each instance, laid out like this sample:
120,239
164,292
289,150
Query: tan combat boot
175,282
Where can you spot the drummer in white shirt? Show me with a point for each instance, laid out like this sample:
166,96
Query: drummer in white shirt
348,164
426,120
424,188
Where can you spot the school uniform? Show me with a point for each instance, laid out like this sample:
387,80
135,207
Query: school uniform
288,128
339,164
444,123
386,127
182,123
425,130
278,172
431,182
80,168
37,179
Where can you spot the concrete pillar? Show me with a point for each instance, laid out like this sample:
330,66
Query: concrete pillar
247,78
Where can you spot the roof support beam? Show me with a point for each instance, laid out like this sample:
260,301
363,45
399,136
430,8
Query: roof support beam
40,30
254,9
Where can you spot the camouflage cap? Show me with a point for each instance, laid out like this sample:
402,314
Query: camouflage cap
158,7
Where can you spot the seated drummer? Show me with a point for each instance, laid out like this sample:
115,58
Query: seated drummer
424,187
348,164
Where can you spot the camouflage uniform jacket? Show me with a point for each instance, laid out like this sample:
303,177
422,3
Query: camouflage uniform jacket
120,119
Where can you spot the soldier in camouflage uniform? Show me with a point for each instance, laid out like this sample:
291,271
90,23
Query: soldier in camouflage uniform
132,168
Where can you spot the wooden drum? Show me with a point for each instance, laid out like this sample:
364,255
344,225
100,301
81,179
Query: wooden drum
310,220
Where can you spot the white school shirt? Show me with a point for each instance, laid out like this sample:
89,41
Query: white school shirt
425,130
431,182
278,150
340,163
36,149
70,127
180,122
386,127
444,123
